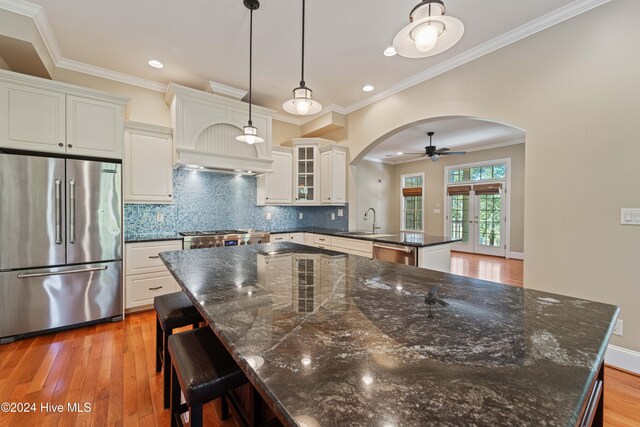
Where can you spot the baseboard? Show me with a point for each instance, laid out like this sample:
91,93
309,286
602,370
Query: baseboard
516,255
623,358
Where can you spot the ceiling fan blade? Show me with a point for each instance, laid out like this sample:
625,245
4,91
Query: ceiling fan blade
415,154
453,153
442,150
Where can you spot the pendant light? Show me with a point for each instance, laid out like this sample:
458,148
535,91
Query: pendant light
250,132
301,104
429,32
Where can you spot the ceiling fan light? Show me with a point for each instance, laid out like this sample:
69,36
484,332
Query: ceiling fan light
250,135
429,31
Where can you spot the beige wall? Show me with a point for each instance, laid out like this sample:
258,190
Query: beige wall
575,89
434,189
283,132
374,184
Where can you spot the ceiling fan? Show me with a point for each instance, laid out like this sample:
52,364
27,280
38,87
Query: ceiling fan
434,154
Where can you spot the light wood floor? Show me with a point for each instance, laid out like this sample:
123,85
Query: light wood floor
112,366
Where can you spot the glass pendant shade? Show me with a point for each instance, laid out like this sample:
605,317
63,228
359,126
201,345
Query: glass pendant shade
301,104
250,135
429,32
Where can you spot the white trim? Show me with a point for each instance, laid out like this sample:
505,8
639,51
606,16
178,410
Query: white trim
507,199
542,23
516,255
105,73
623,358
230,91
402,224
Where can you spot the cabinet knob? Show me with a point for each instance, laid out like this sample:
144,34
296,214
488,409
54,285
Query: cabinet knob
169,195
60,144
267,198
69,145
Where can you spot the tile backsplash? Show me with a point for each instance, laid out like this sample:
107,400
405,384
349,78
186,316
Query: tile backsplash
210,201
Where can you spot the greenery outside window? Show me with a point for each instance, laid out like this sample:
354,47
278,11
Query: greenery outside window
412,202
479,173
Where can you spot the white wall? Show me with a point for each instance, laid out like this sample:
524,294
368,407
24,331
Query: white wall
575,90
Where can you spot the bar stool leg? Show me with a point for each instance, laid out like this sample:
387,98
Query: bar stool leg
167,366
195,415
159,348
175,397
224,408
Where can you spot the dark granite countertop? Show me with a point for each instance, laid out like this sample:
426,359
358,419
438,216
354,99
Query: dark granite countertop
418,240
332,339
151,237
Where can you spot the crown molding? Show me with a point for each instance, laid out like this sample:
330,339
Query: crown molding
220,89
542,23
104,73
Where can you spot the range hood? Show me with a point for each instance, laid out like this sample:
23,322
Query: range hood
205,127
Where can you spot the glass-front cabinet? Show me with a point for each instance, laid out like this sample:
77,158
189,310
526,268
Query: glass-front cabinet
307,191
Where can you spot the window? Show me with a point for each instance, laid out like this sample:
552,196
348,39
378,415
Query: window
412,198
479,173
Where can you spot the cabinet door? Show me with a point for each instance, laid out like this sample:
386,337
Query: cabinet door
297,238
142,288
148,167
326,177
339,177
94,128
32,119
278,184
306,181
279,238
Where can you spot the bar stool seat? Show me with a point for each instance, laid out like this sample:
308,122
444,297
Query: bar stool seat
203,370
172,311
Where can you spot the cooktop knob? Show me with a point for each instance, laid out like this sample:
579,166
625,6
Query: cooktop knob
248,242
242,242
218,244
259,240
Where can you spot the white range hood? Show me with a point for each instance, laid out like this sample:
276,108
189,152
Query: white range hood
205,127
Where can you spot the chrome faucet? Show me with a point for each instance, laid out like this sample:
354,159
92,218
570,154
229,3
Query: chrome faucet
375,226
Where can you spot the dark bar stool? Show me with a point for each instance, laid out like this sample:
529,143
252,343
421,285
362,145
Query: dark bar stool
172,311
203,370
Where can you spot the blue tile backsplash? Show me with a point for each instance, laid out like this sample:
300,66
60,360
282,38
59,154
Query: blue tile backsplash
214,201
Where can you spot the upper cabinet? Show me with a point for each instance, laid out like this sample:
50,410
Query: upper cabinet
307,184
148,163
318,176
333,173
41,115
276,188
205,130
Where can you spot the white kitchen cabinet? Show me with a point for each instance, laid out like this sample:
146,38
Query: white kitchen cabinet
333,175
276,188
308,239
145,275
355,246
282,237
296,238
52,117
148,164
306,174
32,118
94,127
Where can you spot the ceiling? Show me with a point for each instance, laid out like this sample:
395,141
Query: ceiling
202,40
460,133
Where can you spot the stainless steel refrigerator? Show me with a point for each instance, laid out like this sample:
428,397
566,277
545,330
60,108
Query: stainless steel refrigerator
60,243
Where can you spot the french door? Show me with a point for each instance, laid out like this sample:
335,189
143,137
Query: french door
478,218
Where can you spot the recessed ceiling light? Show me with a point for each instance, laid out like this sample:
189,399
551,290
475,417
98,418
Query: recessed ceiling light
368,88
155,63
390,51
400,153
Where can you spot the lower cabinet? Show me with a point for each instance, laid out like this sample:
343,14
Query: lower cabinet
279,238
146,276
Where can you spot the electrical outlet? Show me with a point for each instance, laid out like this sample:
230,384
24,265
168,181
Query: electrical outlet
300,215
341,212
268,216
618,329
159,217
333,216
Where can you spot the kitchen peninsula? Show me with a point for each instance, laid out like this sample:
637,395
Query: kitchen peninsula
336,339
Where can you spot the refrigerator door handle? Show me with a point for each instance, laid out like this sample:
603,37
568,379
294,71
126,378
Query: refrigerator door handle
58,273
58,208
72,211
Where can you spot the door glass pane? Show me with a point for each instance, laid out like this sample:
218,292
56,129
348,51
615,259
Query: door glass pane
309,166
309,193
309,180
309,152
459,212
302,167
302,153
489,214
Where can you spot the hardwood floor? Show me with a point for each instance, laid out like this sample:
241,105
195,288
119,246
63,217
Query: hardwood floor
112,367
494,269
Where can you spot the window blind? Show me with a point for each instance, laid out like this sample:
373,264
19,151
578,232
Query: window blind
412,192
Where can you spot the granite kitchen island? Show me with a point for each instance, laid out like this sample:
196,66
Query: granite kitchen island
330,339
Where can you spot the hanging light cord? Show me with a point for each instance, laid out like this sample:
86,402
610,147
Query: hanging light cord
302,84
250,64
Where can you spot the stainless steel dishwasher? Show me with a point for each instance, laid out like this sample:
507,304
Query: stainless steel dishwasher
399,254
